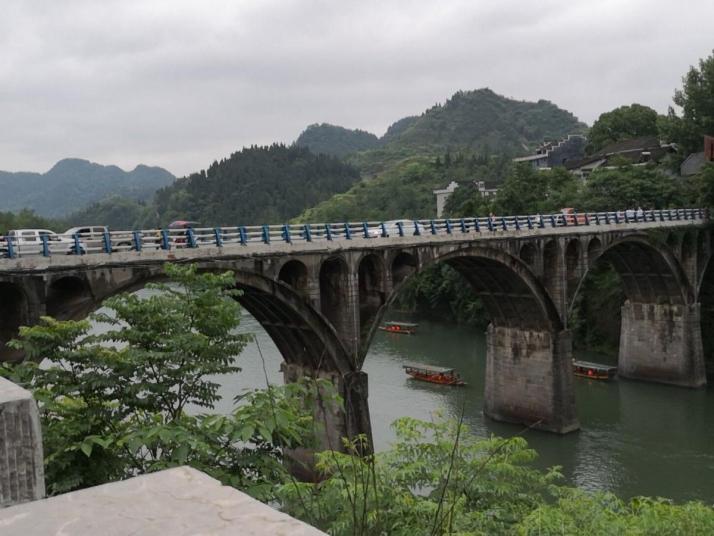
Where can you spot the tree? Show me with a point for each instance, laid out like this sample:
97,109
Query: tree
696,100
114,404
620,124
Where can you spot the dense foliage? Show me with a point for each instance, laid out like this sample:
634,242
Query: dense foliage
117,213
23,219
115,403
696,101
620,124
254,186
336,141
73,184
437,479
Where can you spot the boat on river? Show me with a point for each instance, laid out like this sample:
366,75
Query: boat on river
594,371
430,373
405,328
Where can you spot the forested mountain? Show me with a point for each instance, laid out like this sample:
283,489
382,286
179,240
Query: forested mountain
254,186
482,118
73,184
469,127
336,141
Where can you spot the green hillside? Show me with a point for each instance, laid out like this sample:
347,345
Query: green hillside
254,186
401,174
73,184
336,141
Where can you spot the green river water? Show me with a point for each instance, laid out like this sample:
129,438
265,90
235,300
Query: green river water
635,438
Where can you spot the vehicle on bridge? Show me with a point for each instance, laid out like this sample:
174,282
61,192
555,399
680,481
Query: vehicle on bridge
36,241
432,374
93,238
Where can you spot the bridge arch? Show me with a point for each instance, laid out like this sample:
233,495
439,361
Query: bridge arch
371,284
14,308
403,265
69,297
294,273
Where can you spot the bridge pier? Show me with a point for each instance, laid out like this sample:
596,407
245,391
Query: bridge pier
332,421
529,378
661,342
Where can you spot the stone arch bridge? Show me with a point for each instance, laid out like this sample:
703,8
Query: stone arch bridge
321,300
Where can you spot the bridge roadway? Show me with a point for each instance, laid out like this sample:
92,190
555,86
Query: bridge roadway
320,292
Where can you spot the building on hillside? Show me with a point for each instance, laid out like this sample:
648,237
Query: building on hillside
482,187
695,161
556,153
484,190
442,195
635,151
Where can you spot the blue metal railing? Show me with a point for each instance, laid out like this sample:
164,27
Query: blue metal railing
13,246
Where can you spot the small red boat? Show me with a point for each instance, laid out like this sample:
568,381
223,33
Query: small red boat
429,373
594,371
405,328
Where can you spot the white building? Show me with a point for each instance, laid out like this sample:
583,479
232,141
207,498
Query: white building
442,196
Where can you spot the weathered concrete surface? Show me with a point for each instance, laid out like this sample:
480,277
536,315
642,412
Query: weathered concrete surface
529,378
662,343
176,502
22,475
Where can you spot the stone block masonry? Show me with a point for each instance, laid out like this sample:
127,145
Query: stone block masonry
529,378
662,343
21,464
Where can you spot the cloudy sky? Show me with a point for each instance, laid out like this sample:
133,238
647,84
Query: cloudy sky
179,84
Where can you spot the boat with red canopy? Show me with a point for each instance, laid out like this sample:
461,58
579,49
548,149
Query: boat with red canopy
594,371
430,373
404,328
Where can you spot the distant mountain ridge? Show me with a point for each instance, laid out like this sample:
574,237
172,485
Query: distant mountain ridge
336,141
73,184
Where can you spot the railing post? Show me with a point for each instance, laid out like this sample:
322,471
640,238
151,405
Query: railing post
448,226
617,217
10,247
433,227
45,245
385,234
348,232
136,235
191,235
477,227
661,215
328,231
165,240
552,220
218,234
107,242
307,232
266,234
530,223
597,219
365,229
678,213
286,233
400,227
587,219
77,246
503,223
490,224
518,225
464,229
242,235
541,221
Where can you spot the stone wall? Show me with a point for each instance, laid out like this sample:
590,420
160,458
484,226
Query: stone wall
662,343
21,463
529,378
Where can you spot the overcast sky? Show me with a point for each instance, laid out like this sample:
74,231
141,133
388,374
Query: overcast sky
179,84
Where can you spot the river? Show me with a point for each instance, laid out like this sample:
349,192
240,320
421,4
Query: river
635,438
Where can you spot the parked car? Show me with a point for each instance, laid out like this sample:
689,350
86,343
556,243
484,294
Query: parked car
29,241
178,232
3,247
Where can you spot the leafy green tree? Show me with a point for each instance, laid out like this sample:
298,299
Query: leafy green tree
620,124
696,100
114,404
632,187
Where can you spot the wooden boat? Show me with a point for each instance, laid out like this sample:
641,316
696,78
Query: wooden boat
429,373
405,328
594,371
